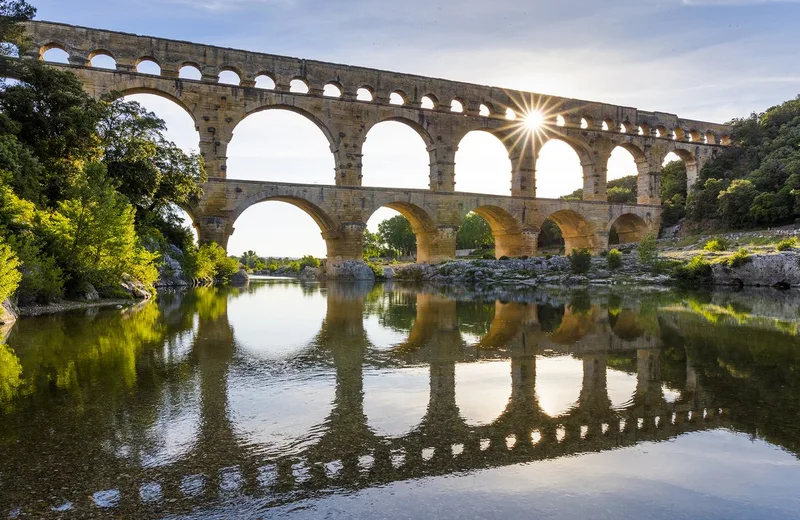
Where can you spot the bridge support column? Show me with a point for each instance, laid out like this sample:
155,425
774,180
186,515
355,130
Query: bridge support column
437,245
600,242
649,180
216,132
348,154
523,169
595,178
516,244
214,229
346,244
443,167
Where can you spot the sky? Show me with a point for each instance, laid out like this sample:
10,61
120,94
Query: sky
711,60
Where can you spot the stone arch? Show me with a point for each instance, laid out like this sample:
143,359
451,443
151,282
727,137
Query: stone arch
692,166
483,164
417,156
52,45
328,225
577,231
144,60
123,91
188,69
423,224
628,228
509,237
553,163
326,130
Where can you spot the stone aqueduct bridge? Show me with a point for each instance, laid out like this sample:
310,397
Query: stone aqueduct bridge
342,209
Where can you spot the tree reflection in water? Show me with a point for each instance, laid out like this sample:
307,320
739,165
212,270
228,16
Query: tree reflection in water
138,402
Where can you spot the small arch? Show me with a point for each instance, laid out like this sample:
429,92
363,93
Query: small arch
332,89
229,77
398,97
102,59
710,138
510,114
725,140
148,65
265,81
626,127
608,124
484,110
644,129
695,136
627,229
661,131
365,93
604,127
429,102
587,122
53,53
298,86
678,134
190,71
578,233
560,121
457,105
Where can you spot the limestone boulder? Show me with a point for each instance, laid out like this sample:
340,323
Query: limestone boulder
770,270
350,270
134,288
308,274
8,312
170,272
240,278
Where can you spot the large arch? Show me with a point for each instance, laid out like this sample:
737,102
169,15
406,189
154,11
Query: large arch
289,143
422,224
255,226
577,231
559,168
396,154
689,160
482,164
136,89
509,239
628,228
624,162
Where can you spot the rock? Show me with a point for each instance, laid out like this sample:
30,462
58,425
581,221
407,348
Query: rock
170,273
309,274
135,288
771,270
8,312
388,273
88,293
350,270
240,278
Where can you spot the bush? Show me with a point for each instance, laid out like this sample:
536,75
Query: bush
9,274
614,259
488,256
42,279
648,251
787,244
580,260
696,272
738,259
716,245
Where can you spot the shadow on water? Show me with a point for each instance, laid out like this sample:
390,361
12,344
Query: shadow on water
168,408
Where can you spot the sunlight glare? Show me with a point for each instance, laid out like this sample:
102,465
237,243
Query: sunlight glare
534,120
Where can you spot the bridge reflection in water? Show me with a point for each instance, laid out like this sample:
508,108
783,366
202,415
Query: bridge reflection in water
97,445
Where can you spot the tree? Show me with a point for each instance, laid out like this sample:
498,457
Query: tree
9,272
12,33
735,203
49,113
396,232
373,245
474,233
153,173
249,259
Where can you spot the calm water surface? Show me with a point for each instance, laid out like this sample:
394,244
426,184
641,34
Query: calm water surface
349,401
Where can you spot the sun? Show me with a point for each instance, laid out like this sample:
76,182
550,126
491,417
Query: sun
534,120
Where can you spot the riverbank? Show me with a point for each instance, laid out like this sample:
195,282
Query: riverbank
71,305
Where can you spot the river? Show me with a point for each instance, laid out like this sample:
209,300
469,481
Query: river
291,400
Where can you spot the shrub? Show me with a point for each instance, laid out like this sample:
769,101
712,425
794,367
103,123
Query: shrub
786,244
9,274
696,272
614,259
738,259
488,256
42,279
716,245
580,260
648,251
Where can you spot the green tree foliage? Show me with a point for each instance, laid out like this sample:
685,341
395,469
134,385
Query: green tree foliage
673,193
757,181
209,263
580,260
94,237
9,274
373,245
787,244
474,233
695,273
152,172
12,33
648,251
614,259
550,235
396,233
250,259
622,190
716,244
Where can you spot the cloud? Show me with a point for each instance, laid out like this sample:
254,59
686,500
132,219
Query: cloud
712,3
230,5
